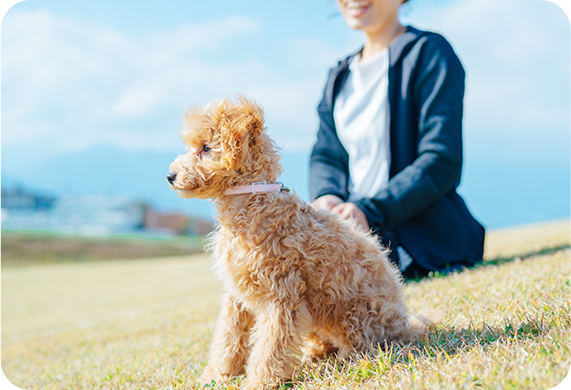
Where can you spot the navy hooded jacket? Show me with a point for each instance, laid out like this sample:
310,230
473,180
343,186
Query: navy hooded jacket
420,206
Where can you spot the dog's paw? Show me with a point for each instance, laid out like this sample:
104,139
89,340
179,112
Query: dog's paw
256,384
211,377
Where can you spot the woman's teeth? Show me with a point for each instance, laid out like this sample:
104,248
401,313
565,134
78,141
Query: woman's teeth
355,5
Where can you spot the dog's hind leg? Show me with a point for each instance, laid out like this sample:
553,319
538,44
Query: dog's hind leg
277,338
368,323
229,349
316,347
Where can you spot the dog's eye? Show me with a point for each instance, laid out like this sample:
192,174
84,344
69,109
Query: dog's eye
206,148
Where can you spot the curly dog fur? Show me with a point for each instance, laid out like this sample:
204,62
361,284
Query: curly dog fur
297,280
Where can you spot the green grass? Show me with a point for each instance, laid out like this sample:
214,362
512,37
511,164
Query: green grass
147,324
33,248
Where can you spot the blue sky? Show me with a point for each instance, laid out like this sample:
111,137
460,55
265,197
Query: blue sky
80,77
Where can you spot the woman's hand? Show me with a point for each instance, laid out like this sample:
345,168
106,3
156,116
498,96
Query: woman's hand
351,210
344,210
326,202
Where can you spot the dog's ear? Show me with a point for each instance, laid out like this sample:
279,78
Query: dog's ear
240,126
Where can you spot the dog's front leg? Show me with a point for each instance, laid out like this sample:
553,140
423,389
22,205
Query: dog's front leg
277,338
229,348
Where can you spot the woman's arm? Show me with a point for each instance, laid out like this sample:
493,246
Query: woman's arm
438,91
329,162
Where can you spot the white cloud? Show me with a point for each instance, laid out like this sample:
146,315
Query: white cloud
53,66
516,54
70,84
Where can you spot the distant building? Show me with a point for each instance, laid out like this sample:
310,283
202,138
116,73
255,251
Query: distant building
74,214
18,199
92,215
175,222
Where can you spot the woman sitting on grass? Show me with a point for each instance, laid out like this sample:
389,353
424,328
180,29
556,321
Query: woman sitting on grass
389,146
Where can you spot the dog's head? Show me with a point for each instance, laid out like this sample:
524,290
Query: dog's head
227,146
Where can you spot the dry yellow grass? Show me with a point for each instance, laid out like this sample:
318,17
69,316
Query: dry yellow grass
146,324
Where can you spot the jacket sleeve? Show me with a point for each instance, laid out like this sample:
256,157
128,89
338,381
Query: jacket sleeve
437,87
329,162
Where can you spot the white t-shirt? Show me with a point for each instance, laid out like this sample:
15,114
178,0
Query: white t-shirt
361,116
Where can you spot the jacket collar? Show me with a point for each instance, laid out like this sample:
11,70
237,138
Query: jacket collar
339,74
402,43
396,48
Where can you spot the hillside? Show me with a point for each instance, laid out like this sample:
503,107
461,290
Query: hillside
36,248
146,324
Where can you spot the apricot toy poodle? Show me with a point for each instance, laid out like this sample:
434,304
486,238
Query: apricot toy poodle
299,283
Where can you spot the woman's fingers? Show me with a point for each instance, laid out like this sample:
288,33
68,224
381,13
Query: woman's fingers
327,202
351,210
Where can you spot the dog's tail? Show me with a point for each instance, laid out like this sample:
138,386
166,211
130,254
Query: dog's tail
420,323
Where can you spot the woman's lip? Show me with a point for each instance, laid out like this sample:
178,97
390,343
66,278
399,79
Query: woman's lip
356,12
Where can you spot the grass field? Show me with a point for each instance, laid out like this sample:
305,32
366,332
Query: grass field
146,324
34,248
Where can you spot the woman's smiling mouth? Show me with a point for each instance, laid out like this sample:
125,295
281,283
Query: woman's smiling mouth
356,8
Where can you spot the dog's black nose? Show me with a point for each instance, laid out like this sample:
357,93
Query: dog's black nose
171,177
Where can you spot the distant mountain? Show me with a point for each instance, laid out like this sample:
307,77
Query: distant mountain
499,194
111,171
